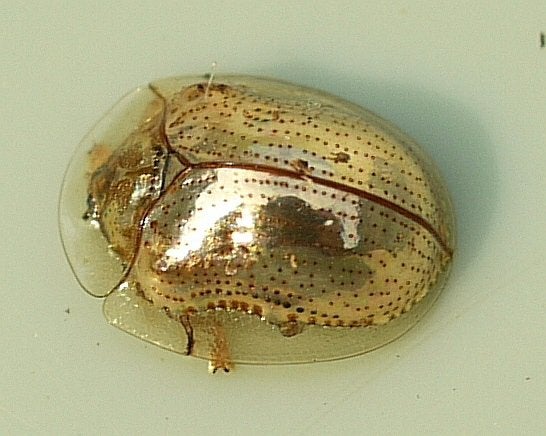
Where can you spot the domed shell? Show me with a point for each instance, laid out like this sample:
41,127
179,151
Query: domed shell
249,220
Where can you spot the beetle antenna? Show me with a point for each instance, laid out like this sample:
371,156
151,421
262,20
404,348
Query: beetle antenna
211,78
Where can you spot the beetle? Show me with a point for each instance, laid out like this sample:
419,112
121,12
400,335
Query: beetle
250,220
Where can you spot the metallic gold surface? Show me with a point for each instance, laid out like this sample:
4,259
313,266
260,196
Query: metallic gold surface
250,204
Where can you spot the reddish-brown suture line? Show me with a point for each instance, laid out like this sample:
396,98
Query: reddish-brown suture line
275,171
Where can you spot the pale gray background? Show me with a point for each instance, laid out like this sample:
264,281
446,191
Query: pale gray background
467,79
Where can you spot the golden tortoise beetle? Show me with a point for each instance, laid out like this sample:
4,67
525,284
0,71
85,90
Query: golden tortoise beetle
248,220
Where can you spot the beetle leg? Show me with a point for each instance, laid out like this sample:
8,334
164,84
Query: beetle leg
219,353
185,321
207,337
291,328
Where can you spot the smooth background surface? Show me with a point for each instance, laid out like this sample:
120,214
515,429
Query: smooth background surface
466,79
